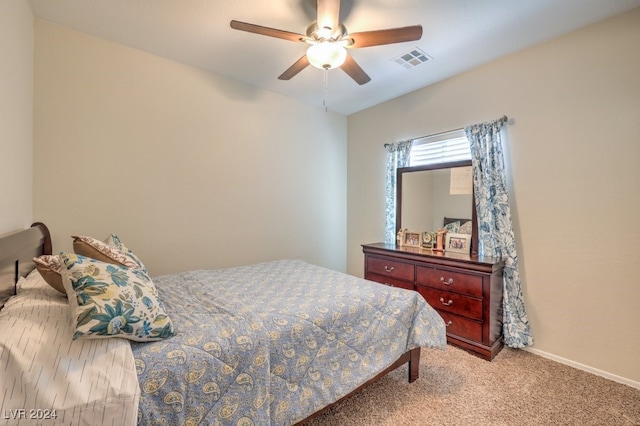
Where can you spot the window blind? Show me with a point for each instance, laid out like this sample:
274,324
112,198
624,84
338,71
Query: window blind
441,148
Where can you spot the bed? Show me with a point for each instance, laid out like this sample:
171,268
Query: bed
271,343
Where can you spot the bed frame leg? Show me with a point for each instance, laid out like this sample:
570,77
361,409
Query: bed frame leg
414,365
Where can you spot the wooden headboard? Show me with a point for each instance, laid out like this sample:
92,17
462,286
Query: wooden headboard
17,250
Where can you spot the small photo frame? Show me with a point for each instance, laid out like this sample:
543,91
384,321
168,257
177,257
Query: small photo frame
429,240
457,243
411,239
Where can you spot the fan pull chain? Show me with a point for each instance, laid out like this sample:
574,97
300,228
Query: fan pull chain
325,88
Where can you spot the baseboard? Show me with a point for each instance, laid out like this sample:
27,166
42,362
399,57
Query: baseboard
619,379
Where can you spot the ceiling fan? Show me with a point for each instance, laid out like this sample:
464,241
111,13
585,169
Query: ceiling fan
329,40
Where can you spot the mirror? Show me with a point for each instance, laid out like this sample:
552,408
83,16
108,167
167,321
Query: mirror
425,198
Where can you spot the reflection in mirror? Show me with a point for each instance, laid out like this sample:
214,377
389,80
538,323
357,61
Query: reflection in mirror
427,199
426,196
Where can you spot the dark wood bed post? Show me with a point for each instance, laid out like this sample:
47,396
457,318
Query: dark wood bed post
48,245
414,364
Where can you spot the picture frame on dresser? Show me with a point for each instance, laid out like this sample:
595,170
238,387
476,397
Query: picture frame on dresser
411,239
457,243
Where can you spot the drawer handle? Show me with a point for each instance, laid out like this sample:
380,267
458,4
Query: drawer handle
388,268
449,303
448,323
447,282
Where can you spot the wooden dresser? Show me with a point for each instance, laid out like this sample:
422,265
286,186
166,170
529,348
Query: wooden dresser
465,290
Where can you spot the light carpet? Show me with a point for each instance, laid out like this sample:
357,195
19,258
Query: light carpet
516,388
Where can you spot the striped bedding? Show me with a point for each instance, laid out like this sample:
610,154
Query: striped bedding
46,378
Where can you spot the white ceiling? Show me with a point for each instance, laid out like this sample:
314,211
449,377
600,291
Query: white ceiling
458,35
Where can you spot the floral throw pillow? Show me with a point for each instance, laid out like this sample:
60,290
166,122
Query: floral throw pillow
113,241
109,300
466,228
111,251
452,227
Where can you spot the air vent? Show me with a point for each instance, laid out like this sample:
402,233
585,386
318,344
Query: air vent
412,58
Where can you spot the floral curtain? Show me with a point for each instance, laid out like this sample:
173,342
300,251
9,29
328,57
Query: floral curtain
397,156
495,229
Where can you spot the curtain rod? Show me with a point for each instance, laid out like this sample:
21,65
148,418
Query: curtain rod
501,120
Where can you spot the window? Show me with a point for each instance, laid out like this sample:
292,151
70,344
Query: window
441,148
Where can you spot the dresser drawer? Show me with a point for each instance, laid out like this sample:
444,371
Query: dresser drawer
450,281
452,302
470,288
389,281
462,327
390,268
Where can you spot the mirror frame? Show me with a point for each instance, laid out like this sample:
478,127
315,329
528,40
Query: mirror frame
464,163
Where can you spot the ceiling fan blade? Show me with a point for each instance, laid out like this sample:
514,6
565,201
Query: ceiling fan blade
294,69
390,36
354,71
271,32
328,14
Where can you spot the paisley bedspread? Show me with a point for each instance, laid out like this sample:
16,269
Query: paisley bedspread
273,343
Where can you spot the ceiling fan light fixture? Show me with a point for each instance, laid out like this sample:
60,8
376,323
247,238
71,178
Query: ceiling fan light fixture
328,40
326,55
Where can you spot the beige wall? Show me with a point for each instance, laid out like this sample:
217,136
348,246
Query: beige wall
573,144
16,115
194,170
190,169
